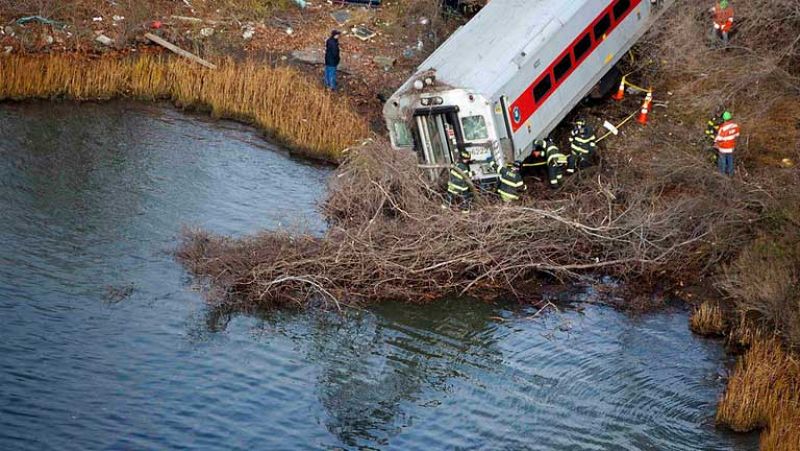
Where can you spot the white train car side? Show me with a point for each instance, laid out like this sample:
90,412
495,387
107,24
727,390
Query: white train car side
509,76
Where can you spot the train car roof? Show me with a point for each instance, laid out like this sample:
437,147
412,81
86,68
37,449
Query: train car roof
489,50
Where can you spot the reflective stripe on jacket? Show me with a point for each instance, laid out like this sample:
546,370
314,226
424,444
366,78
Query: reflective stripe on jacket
457,184
723,18
583,141
554,156
726,139
712,127
511,184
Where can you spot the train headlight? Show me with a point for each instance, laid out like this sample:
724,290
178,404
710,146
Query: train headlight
429,81
419,85
425,101
438,100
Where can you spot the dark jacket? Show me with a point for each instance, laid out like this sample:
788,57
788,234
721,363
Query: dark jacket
332,52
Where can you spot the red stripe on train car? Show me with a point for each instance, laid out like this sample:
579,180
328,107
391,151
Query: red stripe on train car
525,106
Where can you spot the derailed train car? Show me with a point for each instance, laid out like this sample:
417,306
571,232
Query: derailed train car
509,76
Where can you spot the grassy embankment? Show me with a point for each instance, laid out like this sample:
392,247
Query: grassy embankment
287,105
758,310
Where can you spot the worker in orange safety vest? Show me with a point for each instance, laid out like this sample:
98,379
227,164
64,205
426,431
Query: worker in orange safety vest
725,143
723,19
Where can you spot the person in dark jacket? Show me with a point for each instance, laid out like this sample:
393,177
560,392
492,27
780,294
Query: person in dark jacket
332,59
511,184
458,191
557,163
583,146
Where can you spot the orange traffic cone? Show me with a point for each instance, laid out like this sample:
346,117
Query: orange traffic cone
648,100
620,95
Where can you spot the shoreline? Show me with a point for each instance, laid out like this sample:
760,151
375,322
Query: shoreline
248,92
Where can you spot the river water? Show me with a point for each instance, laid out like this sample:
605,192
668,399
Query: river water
106,343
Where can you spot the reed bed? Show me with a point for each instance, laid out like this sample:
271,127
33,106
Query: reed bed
708,320
285,104
764,392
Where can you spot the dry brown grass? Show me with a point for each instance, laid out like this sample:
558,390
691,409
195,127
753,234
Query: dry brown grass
757,77
764,392
708,320
281,101
763,281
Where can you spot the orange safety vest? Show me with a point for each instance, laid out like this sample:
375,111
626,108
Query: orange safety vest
723,18
726,139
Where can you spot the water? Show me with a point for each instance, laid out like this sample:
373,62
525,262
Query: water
106,344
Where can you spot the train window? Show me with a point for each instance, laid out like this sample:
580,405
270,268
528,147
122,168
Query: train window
601,28
402,135
621,8
562,67
582,47
542,88
474,128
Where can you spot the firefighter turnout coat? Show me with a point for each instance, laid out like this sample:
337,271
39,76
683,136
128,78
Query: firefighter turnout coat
511,184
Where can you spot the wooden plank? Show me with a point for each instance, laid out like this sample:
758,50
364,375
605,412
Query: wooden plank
174,48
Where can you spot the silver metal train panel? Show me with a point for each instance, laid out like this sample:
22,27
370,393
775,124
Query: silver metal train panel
510,75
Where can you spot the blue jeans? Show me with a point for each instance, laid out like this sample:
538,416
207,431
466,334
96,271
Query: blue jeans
330,77
725,163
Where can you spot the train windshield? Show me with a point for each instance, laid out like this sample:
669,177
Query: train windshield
475,128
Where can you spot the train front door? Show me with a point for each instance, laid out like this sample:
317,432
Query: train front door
439,136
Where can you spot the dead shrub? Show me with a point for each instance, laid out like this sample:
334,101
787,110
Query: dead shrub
389,238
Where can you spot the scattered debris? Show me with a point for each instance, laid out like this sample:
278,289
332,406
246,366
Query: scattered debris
249,32
363,33
8,49
174,48
289,31
424,21
9,31
156,25
118,18
105,40
49,39
207,32
308,56
384,62
97,19
188,19
41,20
316,57
362,2
341,16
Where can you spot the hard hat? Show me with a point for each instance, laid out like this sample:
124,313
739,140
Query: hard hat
466,155
580,121
517,165
726,116
539,143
